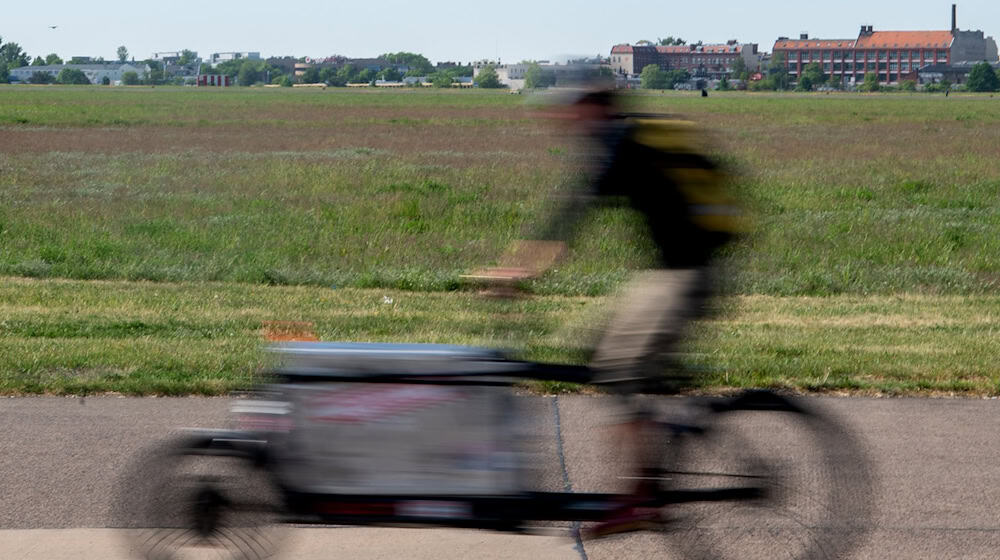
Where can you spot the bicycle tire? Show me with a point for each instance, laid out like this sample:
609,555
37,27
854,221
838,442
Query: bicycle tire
816,481
178,502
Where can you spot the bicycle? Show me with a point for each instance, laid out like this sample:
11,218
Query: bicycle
718,491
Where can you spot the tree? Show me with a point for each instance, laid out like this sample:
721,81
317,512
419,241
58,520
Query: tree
310,76
417,63
79,60
812,76
346,74
187,57
53,59
441,79
130,78
669,41
870,83
12,55
461,71
652,77
982,78
673,77
327,75
39,61
122,54
154,76
488,78
4,73
835,81
105,81
777,73
41,78
390,75
908,85
739,69
535,77
365,76
723,84
72,76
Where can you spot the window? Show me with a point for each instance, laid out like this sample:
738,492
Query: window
915,55
881,55
904,66
871,66
893,67
942,55
893,55
837,55
826,55
827,67
881,66
814,55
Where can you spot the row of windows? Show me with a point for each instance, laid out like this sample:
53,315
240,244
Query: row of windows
816,56
881,77
848,66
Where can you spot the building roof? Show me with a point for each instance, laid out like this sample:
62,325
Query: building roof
942,67
905,39
814,44
680,49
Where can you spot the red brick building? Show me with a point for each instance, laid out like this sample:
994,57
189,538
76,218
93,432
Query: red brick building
712,61
891,55
888,54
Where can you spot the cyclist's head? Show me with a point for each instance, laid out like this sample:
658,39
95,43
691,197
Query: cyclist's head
596,104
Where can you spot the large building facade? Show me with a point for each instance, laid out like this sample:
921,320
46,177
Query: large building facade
893,56
712,61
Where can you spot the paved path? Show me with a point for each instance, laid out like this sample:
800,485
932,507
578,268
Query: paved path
937,467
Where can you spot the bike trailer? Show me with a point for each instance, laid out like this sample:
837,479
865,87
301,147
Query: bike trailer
392,419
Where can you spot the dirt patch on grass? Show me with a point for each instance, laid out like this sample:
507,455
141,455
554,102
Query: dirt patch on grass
400,139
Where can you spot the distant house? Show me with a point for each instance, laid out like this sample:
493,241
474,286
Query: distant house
956,73
94,72
217,58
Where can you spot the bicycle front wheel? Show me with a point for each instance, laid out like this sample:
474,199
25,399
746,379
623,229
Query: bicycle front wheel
179,502
767,478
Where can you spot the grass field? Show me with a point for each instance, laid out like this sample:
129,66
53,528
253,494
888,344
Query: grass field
872,265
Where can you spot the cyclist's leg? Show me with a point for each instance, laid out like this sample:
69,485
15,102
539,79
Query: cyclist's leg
652,318
657,308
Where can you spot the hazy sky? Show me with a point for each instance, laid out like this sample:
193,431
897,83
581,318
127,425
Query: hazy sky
450,29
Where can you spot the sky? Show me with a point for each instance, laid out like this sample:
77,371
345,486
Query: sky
451,30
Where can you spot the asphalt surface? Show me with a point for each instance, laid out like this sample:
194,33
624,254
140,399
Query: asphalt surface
936,473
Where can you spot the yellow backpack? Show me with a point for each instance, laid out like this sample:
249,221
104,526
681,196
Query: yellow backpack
698,178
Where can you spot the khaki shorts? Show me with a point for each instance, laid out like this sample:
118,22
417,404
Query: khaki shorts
653,315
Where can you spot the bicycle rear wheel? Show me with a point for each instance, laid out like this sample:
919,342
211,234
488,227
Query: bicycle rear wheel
816,487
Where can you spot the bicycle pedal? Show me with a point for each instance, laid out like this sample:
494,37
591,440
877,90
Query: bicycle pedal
647,520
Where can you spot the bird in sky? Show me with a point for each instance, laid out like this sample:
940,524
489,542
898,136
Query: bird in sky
53,26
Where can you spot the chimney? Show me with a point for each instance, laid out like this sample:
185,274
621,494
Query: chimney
803,36
954,18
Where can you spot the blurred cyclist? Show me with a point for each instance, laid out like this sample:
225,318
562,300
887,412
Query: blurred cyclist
654,164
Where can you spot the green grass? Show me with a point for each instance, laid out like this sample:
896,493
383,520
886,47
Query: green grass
310,204
142,337
408,190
